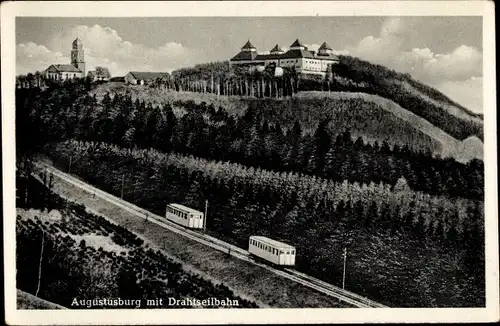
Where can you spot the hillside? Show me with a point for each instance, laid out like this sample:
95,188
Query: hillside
399,241
463,151
412,95
112,261
351,75
26,300
369,116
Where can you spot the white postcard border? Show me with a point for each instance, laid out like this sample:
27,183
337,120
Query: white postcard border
10,10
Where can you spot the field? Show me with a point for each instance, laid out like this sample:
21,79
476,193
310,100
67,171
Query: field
246,280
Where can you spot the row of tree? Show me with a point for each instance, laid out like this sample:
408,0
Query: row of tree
31,80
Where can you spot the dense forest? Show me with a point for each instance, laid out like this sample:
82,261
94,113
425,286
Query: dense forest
250,139
412,221
318,216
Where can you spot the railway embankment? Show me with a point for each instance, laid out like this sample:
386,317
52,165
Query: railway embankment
245,279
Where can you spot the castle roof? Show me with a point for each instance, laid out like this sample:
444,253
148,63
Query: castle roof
271,56
245,55
330,56
292,54
248,45
277,53
276,48
297,54
325,46
77,41
297,44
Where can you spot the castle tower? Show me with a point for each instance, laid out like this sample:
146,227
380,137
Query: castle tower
248,47
277,50
77,58
297,45
325,49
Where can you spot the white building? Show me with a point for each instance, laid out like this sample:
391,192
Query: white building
298,56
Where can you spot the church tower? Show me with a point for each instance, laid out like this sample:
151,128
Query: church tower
77,58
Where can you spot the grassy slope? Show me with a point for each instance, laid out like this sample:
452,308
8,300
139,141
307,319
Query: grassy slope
449,106
393,84
29,301
450,146
385,120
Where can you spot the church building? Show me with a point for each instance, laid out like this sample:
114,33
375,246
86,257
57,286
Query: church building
74,70
298,56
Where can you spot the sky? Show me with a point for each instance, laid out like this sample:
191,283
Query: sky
443,52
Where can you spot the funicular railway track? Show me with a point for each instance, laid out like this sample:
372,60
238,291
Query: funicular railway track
346,296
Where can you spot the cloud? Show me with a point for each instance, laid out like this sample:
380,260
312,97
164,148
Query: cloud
455,73
103,47
461,64
388,49
312,47
393,36
468,93
31,57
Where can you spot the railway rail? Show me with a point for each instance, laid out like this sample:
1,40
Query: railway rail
301,278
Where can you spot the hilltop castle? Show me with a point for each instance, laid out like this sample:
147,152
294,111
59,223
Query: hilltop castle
298,56
74,70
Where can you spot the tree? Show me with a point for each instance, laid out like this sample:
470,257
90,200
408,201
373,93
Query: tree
194,196
128,287
401,185
322,143
100,72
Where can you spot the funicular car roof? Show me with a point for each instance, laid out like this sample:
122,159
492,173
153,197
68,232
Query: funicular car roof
271,242
184,208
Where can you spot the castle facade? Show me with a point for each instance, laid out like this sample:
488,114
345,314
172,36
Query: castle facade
298,56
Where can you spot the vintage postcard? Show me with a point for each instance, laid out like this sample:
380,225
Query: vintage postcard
249,162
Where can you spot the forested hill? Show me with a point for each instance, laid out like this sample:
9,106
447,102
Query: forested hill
385,79
423,100
372,117
355,75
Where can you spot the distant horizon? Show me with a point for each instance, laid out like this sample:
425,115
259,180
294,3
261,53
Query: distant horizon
420,46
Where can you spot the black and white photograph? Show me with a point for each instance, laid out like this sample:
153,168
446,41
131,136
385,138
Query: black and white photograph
275,161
